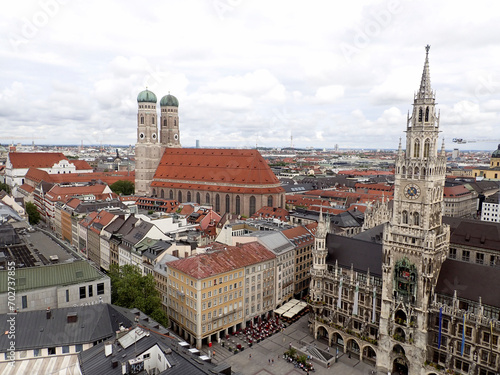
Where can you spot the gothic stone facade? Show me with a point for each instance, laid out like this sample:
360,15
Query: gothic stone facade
403,305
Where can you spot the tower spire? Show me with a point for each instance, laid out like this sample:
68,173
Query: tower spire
425,90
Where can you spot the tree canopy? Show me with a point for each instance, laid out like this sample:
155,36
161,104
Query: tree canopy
5,187
130,289
123,187
33,214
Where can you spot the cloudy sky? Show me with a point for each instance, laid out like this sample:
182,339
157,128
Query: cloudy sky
248,72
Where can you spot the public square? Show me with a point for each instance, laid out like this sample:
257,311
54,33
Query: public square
272,348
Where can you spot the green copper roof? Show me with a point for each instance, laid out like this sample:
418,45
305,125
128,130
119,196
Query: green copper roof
169,100
52,275
496,153
146,96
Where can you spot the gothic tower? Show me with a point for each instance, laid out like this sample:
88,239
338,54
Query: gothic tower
415,240
319,254
169,122
147,149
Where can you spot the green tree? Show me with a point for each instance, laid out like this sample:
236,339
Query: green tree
33,214
5,187
130,289
123,187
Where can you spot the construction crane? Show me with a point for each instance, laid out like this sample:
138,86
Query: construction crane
462,141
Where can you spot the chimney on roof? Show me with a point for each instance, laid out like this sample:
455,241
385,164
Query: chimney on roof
49,313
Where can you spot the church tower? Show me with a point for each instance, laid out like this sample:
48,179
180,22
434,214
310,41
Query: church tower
147,148
319,254
169,122
415,242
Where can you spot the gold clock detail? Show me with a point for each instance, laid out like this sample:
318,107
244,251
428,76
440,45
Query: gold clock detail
412,191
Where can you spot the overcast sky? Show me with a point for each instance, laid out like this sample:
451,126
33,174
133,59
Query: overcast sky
248,72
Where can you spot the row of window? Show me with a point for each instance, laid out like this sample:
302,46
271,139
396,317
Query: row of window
466,256
65,349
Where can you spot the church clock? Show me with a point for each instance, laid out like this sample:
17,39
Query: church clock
412,191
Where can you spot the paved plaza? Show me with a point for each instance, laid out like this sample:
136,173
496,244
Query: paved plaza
272,348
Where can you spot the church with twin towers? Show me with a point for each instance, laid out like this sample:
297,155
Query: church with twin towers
232,181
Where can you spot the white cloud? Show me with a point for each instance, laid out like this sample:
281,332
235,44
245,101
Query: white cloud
263,70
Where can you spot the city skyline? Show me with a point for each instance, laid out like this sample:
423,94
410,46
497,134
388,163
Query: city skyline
247,74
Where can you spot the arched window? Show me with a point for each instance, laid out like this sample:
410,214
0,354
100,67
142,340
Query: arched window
416,171
175,122
188,198
427,114
142,120
153,120
420,115
416,149
217,203
164,122
237,208
404,170
405,217
207,198
228,203
198,198
171,194
154,192
416,218
270,201
423,172
179,196
252,206
427,146
162,194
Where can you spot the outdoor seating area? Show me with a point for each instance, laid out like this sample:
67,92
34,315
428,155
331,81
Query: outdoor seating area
292,310
254,333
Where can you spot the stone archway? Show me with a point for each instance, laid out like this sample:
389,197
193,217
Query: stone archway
321,331
400,366
338,341
369,355
353,349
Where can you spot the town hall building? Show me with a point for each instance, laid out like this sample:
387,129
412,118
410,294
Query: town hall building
232,181
409,302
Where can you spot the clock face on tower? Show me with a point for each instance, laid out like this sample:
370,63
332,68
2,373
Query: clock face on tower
412,191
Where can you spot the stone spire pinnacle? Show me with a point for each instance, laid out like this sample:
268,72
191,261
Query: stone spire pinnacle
425,90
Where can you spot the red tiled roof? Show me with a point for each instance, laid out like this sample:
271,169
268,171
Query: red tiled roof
37,175
73,203
103,218
88,219
107,177
35,159
63,193
81,165
300,232
455,191
193,168
27,188
225,259
272,212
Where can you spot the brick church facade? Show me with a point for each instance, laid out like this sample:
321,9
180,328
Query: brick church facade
230,180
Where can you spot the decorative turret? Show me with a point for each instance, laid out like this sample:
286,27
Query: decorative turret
320,251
